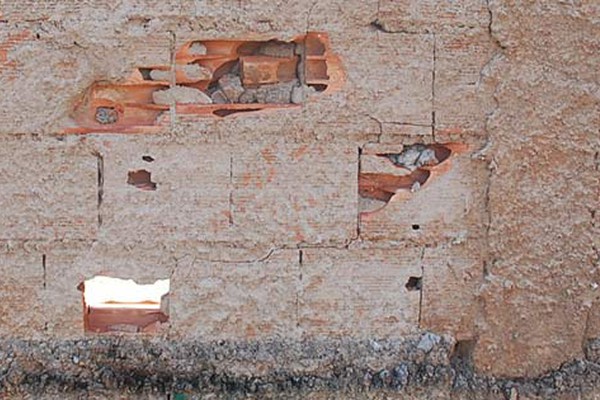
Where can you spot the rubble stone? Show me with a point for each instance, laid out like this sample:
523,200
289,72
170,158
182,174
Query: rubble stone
180,95
197,49
193,72
231,86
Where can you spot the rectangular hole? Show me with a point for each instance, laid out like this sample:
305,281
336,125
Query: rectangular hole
122,305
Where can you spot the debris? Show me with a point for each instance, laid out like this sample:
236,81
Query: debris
297,95
414,156
195,72
106,115
249,96
218,97
401,374
428,341
160,75
181,95
192,72
415,187
278,93
231,86
374,345
197,49
427,158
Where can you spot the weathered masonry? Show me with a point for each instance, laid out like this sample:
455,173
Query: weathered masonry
215,78
299,198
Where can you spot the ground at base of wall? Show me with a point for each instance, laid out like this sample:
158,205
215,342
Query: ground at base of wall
420,367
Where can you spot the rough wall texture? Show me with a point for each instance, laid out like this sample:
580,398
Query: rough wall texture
257,218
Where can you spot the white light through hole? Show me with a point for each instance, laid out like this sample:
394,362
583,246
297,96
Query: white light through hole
106,292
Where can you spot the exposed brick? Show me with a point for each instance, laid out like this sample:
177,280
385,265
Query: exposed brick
449,204
68,266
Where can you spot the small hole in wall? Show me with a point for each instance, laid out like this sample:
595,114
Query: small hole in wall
122,305
463,352
414,283
141,179
148,158
226,112
145,72
416,227
318,87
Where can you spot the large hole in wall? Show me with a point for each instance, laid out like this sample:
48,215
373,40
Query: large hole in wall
407,170
214,78
122,305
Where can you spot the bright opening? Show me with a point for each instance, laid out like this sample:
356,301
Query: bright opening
122,305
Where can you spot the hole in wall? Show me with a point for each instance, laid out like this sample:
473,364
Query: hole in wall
414,163
145,72
415,227
383,187
463,352
122,305
418,155
272,74
318,87
226,112
141,179
414,283
148,158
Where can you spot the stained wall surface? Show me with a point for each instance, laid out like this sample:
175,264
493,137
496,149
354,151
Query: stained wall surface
257,218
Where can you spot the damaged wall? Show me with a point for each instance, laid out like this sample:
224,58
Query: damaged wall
259,218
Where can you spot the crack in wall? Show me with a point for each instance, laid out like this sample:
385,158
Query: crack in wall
358,228
381,27
44,271
482,154
421,260
44,283
309,15
100,185
230,217
300,290
434,59
172,75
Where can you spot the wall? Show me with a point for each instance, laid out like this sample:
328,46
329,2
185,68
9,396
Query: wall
256,218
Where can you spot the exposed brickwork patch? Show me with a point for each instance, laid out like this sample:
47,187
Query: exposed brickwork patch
213,78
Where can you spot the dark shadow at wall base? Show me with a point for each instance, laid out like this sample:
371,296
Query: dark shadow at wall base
102,367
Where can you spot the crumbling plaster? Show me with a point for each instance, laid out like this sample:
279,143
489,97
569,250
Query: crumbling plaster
509,245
